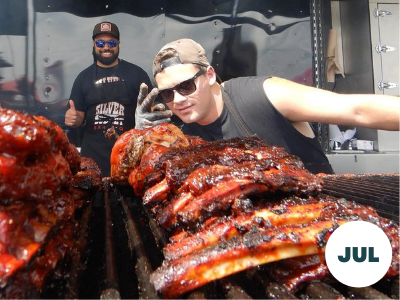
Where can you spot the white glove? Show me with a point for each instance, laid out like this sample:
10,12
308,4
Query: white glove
147,114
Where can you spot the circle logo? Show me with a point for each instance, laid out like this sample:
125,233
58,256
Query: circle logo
358,254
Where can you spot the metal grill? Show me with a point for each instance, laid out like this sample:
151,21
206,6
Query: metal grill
125,246
376,190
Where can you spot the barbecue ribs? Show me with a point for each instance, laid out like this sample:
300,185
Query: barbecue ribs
44,182
232,205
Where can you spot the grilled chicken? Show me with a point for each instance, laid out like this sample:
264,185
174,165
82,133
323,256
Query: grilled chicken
127,152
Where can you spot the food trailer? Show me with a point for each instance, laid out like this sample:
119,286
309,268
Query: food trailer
343,46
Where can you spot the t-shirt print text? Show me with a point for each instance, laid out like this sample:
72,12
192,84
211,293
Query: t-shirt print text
108,114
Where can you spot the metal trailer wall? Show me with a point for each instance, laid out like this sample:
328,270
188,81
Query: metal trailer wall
44,44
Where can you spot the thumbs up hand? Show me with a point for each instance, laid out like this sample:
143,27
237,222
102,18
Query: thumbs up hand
72,118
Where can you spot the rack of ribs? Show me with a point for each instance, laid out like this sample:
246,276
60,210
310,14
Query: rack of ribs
228,206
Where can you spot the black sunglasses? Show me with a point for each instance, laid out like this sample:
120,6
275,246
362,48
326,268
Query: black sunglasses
102,43
184,88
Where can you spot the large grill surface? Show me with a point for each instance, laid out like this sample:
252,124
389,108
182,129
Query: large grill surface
124,248
376,190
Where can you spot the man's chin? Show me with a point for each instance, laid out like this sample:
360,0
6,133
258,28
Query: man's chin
187,118
106,60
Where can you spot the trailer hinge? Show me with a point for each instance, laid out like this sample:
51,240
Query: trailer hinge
384,48
381,13
387,85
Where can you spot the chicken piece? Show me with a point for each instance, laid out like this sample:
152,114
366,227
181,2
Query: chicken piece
36,157
124,156
35,177
127,152
138,178
38,164
88,177
61,141
22,135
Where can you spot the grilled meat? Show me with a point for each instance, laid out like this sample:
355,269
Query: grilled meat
254,248
43,183
220,193
130,146
227,227
235,204
178,164
292,272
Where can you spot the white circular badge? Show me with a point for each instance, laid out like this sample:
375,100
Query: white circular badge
358,254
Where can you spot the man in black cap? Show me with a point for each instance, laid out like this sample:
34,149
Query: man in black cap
104,95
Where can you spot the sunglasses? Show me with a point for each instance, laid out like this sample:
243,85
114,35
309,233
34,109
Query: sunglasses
184,88
110,43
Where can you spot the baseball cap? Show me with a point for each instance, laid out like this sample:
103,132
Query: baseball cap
106,27
186,51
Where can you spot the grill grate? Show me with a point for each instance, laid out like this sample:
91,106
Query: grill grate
376,190
137,242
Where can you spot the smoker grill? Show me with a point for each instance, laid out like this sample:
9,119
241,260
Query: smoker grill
124,246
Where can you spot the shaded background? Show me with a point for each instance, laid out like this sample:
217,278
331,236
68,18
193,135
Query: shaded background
44,44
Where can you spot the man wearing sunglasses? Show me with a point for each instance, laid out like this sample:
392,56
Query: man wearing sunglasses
275,109
104,95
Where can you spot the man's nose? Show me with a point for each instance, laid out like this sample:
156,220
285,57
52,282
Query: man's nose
178,97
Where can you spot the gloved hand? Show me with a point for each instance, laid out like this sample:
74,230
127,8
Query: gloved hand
147,114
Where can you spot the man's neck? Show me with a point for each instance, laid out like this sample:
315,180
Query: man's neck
216,106
113,64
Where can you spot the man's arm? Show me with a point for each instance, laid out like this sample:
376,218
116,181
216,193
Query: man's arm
74,118
300,103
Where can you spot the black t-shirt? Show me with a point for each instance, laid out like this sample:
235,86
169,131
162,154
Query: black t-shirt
264,120
108,96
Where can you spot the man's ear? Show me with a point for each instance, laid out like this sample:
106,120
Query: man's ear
212,76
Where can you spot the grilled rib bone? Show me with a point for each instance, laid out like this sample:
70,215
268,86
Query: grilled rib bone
176,277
